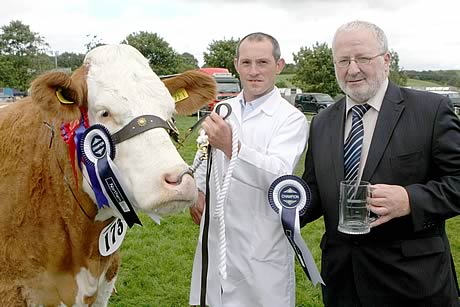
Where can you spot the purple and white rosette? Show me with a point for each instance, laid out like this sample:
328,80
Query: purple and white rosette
289,196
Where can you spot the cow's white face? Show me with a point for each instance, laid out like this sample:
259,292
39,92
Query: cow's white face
122,86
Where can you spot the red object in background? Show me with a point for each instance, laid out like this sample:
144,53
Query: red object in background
228,86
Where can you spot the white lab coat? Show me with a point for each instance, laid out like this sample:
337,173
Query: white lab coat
260,261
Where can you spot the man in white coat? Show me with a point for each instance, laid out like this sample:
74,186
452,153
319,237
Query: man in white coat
272,135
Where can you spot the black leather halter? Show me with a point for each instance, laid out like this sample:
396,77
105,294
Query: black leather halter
143,123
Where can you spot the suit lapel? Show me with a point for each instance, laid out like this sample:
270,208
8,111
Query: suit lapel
336,128
390,112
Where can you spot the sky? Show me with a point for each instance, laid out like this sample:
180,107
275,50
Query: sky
425,34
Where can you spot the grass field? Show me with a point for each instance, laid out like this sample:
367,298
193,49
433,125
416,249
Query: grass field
157,259
421,83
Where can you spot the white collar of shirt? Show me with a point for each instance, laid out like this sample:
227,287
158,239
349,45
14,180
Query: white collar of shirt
248,107
375,102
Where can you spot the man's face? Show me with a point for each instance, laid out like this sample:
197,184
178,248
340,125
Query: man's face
360,81
257,68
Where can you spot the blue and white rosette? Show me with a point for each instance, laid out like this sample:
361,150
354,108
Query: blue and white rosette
289,196
98,152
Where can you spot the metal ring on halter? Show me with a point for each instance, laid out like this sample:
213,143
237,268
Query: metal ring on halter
183,173
227,107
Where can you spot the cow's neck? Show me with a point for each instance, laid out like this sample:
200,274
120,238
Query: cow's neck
60,161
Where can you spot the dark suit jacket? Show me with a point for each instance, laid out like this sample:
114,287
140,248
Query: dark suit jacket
416,144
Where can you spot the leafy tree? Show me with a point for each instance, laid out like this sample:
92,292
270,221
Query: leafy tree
162,58
70,60
17,39
221,54
289,69
187,62
7,78
22,55
93,42
315,70
281,84
396,75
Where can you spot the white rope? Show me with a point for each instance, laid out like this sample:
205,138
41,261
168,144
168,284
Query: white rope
221,192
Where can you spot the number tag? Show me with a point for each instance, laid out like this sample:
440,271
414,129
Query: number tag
112,236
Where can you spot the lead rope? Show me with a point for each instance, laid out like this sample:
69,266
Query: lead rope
204,238
202,144
221,192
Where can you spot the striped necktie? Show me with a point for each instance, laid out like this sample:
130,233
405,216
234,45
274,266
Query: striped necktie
354,142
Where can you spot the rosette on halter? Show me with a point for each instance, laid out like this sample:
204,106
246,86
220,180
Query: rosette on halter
289,196
98,151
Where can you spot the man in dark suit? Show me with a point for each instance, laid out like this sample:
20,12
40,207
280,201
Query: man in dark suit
411,155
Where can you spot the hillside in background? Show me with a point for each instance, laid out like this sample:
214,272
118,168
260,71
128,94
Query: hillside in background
426,78
421,83
439,77
285,80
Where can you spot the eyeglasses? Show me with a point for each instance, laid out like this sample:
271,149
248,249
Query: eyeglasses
359,60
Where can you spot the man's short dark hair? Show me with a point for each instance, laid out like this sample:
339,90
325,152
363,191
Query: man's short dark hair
260,36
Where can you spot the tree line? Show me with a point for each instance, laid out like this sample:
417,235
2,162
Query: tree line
24,54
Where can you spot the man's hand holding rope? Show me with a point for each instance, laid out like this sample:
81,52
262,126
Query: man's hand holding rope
219,133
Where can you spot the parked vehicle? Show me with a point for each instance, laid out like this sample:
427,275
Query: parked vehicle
455,98
453,95
227,85
289,93
312,102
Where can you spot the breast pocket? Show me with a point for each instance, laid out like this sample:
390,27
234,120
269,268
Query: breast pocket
406,166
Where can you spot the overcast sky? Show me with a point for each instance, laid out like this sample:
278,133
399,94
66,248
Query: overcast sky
426,34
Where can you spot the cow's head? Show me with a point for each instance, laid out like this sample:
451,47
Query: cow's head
116,85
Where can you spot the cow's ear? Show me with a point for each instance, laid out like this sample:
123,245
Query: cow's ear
191,90
59,94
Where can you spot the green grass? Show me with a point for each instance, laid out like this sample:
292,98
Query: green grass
157,259
421,83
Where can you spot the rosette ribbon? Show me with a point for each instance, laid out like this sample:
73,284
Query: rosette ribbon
289,196
98,151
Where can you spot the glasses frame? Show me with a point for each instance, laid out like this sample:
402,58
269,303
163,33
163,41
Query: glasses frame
358,60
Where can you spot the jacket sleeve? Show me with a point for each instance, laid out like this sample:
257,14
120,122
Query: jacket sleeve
439,198
258,169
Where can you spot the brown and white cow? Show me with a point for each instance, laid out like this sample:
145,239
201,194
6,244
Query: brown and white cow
49,226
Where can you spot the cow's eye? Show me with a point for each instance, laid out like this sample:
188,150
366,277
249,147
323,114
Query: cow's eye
105,113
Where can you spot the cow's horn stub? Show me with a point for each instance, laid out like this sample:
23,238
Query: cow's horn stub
61,97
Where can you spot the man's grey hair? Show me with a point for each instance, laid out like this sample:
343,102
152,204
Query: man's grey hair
364,25
259,36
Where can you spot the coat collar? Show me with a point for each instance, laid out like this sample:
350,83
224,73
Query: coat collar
390,113
336,126
269,106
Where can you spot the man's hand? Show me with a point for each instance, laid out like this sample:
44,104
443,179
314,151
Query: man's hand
196,211
388,202
219,133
